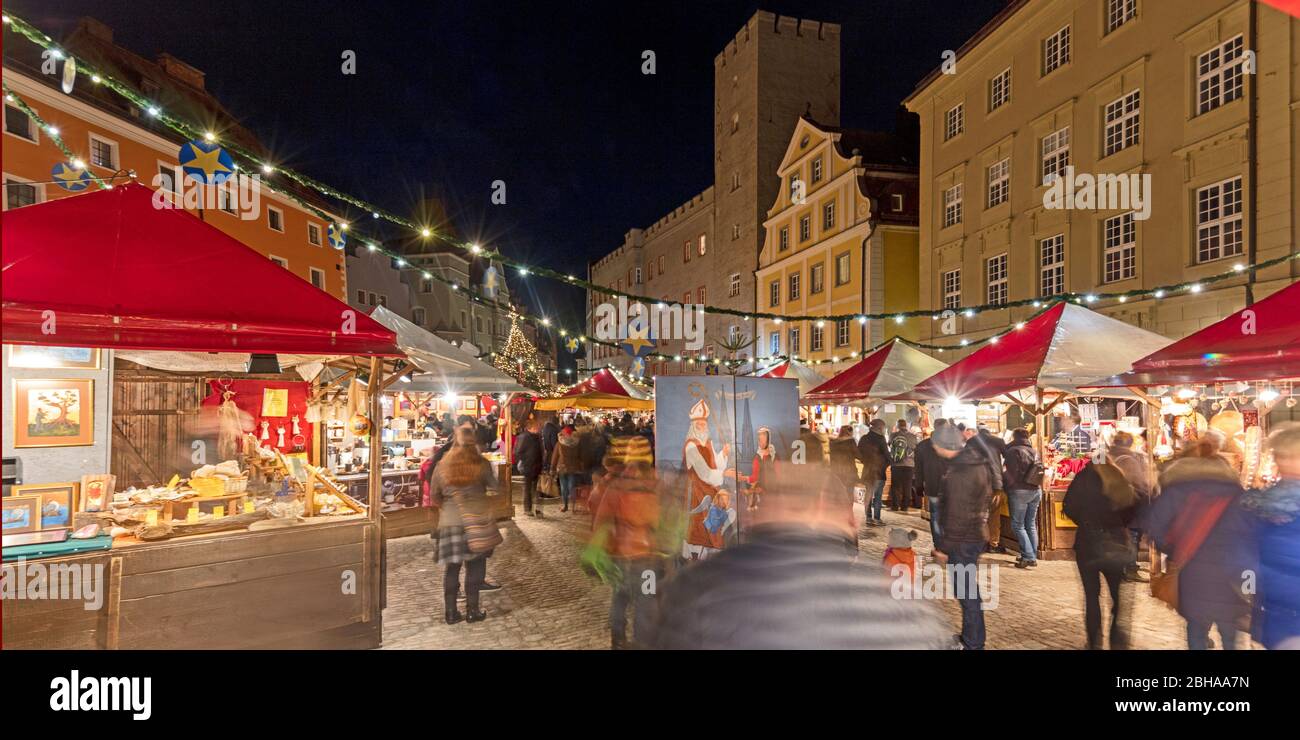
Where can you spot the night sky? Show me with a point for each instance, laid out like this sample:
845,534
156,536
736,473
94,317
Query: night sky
546,96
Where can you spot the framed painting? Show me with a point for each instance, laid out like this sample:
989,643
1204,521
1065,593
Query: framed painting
54,413
78,358
55,501
21,514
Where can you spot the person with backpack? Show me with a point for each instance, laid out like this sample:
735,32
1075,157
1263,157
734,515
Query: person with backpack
902,465
1102,503
1023,480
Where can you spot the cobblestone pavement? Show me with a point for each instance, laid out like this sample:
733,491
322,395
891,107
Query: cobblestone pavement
548,602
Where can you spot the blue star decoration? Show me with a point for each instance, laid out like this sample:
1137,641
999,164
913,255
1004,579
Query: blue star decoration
71,178
572,344
338,238
638,367
638,342
206,163
491,281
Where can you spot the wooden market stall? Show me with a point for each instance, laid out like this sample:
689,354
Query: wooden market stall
1037,367
109,270
892,368
604,390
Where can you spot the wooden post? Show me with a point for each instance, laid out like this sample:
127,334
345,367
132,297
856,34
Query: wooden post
508,437
376,413
1047,513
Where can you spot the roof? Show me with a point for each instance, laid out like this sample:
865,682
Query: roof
1061,350
881,148
603,390
1259,342
891,369
112,270
795,370
446,368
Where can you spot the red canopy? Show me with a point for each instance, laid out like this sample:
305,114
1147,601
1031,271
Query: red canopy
1260,342
891,369
604,381
1060,349
117,272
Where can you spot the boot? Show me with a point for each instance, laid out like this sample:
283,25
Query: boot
472,611
617,641
453,614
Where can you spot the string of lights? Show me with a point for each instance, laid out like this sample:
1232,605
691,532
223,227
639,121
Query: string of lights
254,162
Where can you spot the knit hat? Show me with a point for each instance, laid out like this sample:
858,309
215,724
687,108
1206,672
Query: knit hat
900,537
947,437
629,450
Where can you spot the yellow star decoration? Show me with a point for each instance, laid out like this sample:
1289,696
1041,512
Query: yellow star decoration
209,162
637,339
67,174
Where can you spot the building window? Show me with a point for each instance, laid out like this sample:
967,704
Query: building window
774,293
733,288
952,289
1122,121
1218,220
842,265
952,205
795,187
686,297
783,242
426,285
372,299
313,235
1000,90
1219,75
817,170
629,276
1051,266
702,300
19,124
1056,154
650,273
317,277
417,314
774,344
1056,50
999,179
805,228
167,177
818,278
226,200
818,338
995,273
1119,12
795,344
897,202
828,216
19,194
842,333
704,247
735,181
686,251
735,231
103,153
275,218
361,297
637,274
735,122
282,262
1119,248
954,122
794,286
478,324
661,264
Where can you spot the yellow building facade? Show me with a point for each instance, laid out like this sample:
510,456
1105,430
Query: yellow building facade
841,239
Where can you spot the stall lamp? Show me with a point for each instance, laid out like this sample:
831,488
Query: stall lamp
450,397
1268,394
1186,393
262,363
406,378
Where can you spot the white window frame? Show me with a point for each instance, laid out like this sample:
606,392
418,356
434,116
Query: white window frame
113,147
176,174
952,198
704,246
995,276
1051,265
796,286
32,128
795,341
38,188
898,202
637,272
1122,123
816,167
1000,90
1220,78
774,343
950,282
280,213
320,237
312,272
999,182
843,277
774,293
418,316
954,122
783,239
1055,156
733,288
1119,244
828,216
277,259
805,227
842,332
1119,12
1219,215
1056,50
817,341
817,278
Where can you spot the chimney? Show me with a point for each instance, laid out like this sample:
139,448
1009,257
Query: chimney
95,29
179,70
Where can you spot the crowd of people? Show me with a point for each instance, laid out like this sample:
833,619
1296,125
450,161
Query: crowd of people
796,579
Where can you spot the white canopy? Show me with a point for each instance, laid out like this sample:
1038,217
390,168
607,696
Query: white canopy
446,369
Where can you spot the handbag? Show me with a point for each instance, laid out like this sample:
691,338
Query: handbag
1187,535
548,484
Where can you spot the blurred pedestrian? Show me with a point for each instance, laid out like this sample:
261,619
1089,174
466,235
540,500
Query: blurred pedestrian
1277,512
814,452
1023,478
931,464
1102,503
967,489
566,465
528,460
902,464
550,437
844,457
873,451
1136,467
467,531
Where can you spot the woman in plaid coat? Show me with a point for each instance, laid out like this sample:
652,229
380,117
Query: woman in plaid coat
467,531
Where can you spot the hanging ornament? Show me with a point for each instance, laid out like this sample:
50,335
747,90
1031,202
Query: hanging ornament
638,342
359,425
638,367
70,177
69,75
205,162
572,344
338,238
280,433
296,429
266,430
1290,402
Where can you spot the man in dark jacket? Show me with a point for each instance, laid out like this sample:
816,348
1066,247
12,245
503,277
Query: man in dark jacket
902,463
528,459
873,451
1102,503
967,490
1023,494
793,583
550,436
814,452
928,479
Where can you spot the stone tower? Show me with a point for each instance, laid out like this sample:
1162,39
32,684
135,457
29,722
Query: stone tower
776,69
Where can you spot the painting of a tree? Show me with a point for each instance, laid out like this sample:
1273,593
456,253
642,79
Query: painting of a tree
53,412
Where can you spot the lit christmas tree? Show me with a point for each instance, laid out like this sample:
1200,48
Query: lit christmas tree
519,359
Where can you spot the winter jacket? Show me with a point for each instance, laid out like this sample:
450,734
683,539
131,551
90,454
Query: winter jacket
791,587
1277,515
902,450
1102,503
567,457
467,506
627,516
550,436
991,448
1019,459
874,454
528,454
967,494
814,451
844,457
1136,470
930,469
1210,583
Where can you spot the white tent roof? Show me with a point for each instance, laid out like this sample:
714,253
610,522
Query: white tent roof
446,369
